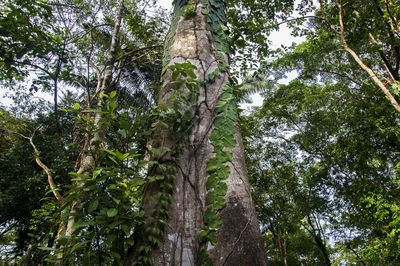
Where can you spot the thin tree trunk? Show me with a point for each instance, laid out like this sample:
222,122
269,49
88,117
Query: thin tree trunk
239,239
88,159
282,246
356,254
285,261
55,79
316,234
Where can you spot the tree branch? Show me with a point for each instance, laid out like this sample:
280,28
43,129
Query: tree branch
370,72
50,180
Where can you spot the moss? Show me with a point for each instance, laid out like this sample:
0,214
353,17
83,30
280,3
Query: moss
190,12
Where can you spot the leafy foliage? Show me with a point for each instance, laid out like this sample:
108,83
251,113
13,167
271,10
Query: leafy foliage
322,151
23,35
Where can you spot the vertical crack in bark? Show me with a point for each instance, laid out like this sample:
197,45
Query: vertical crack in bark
241,178
238,239
204,70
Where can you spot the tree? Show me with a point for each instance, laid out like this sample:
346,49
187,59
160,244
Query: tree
342,169
383,43
288,198
367,31
334,125
197,203
28,212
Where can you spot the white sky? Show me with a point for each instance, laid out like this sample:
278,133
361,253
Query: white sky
167,4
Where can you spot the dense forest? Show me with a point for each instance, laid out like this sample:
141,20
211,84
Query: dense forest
123,141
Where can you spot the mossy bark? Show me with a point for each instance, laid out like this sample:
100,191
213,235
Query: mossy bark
238,237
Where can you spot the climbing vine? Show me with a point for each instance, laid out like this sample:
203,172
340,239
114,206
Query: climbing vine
222,136
177,122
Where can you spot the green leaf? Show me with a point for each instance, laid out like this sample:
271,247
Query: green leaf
116,200
223,172
213,164
220,107
221,189
93,111
219,202
111,106
212,236
204,11
112,212
123,133
212,181
224,156
110,152
210,198
191,74
97,172
93,205
47,248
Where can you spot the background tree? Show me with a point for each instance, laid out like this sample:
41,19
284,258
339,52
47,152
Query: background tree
334,125
350,162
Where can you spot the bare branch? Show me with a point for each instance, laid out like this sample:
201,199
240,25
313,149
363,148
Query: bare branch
50,179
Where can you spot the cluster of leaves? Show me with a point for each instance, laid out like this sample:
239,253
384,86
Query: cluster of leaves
58,46
29,212
190,10
350,163
109,198
339,169
250,24
23,35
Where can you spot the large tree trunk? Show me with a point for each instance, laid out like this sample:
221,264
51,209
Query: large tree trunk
191,38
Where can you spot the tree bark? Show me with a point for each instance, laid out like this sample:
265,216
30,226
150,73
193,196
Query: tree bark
239,239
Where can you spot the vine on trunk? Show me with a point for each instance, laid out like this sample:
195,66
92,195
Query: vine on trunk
176,122
222,136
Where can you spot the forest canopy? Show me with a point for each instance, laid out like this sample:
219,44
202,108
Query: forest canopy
93,128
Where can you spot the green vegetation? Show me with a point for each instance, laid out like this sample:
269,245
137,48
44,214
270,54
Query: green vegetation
322,152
